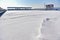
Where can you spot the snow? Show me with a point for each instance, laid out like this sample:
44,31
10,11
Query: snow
30,25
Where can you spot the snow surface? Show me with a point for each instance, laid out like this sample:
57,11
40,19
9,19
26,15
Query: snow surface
30,25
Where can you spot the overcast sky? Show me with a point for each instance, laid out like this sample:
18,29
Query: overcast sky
4,3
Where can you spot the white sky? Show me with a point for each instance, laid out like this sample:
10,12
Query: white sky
6,3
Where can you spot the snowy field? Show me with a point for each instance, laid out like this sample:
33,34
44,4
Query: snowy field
30,25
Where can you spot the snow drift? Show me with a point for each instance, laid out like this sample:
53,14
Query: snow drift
30,25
